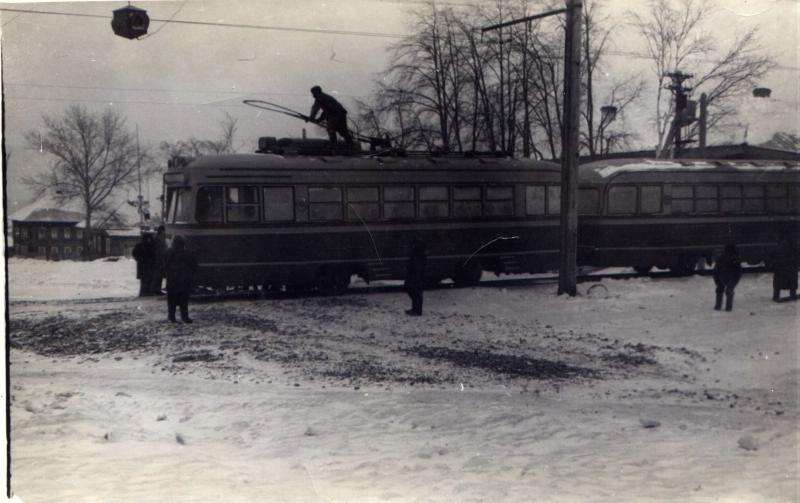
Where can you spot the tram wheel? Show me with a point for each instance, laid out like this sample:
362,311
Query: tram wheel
684,266
468,274
332,281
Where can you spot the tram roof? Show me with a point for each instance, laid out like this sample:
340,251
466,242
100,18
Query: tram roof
609,167
305,162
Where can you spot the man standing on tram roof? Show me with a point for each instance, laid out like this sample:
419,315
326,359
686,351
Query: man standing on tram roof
333,113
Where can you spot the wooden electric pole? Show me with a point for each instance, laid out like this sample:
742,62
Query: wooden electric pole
567,271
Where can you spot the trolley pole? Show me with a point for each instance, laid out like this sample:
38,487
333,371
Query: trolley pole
568,257
567,271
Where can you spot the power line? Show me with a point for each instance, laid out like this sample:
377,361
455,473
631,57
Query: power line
146,89
222,25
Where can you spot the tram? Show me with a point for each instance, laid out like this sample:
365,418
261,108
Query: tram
297,214
676,214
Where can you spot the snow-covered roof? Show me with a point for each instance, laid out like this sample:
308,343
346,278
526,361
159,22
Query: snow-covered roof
48,215
609,168
125,233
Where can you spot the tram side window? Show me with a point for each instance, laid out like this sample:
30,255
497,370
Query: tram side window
499,202
753,198
466,202
622,200
534,200
777,198
682,199
398,202
278,204
434,202
362,203
650,199
177,205
796,197
731,198
588,200
242,204
209,204
554,199
707,199
325,203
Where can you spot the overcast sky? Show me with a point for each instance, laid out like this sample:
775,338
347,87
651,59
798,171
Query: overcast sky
179,80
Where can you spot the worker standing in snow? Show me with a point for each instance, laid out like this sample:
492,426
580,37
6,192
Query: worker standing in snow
727,272
333,113
181,266
415,277
159,260
144,254
784,262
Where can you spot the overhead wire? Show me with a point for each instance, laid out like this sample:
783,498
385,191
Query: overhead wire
221,25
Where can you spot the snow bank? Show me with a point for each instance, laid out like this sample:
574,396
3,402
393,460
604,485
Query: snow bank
34,279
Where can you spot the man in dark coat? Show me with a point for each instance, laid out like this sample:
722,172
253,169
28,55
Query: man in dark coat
784,269
144,254
333,113
415,277
181,266
727,272
159,260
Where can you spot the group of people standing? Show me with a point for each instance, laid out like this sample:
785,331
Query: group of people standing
728,271
155,261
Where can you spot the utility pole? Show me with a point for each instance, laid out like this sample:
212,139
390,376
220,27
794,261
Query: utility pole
703,121
567,272
139,198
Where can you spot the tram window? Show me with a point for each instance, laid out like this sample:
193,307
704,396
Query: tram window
242,204
621,200
777,199
587,201
731,191
554,199
753,198
433,202
177,205
362,203
398,202
682,199
707,199
398,193
325,203
795,190
753,191
466,202
650,199
534,200
499,202
706,191
278,204
731,198
209,204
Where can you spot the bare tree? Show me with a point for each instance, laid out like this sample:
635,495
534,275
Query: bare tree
93,156
675,39
193,147
451,86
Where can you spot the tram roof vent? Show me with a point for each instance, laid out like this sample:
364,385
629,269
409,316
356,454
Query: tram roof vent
304,146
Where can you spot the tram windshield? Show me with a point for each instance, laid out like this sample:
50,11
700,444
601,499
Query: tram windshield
177,205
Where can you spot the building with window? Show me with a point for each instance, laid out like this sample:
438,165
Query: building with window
48,233
58,234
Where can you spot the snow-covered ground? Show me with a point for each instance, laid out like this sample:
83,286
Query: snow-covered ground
633,391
